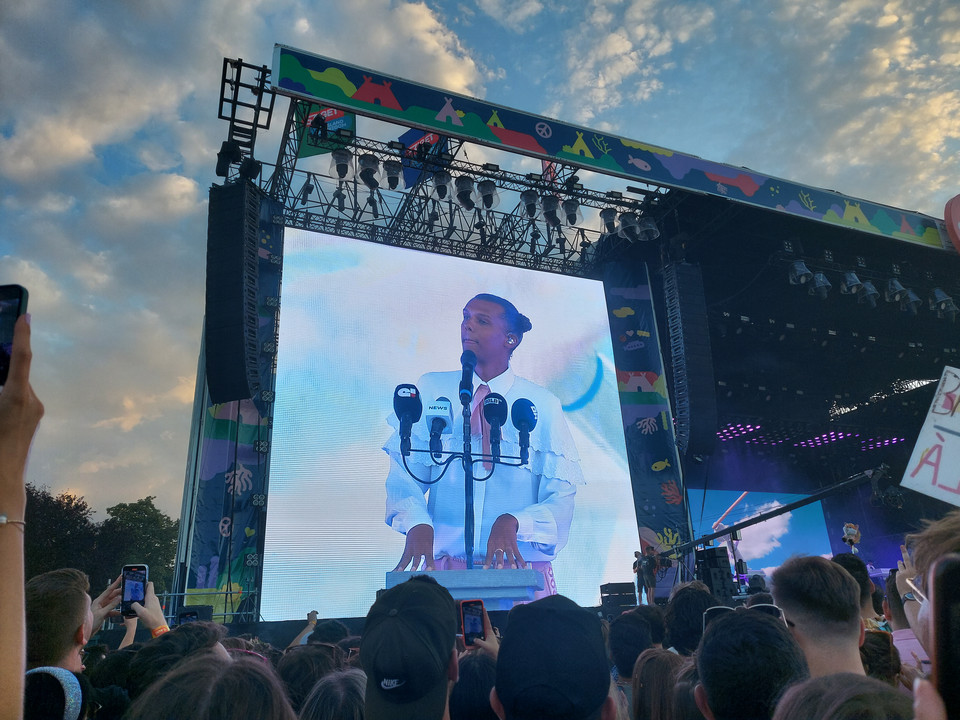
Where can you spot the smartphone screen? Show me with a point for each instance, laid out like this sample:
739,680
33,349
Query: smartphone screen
471,611
133,588
13,304
945,612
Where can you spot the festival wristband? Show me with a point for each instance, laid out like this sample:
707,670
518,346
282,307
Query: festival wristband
159,630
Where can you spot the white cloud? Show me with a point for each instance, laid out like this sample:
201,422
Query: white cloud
512,14
757,541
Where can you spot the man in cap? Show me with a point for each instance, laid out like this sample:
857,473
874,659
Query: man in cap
408,652
553,664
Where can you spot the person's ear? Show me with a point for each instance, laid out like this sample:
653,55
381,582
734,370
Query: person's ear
700,695
863,633
80,637
495,703
512,339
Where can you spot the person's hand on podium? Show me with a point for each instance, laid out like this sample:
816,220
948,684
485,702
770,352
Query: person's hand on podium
419,546
502,550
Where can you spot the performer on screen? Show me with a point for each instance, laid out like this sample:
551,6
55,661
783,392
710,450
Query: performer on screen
522,514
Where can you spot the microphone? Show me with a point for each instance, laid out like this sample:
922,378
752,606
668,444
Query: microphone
468,361
408,407
440,419
495,413
524,417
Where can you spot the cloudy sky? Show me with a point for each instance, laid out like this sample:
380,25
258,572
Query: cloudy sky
109,133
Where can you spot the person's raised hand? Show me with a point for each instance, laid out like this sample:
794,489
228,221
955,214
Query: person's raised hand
417,548
150,611
105,604
502,549
490,642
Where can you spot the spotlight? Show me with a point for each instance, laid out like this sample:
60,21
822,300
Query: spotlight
629,226
370,171
466,195
571,211
895,291
648,229
341,164
819,285
910,302
529,200
608,216
799,273
868,294
305,191
228,155
943,305
850,285
550,205
250,168
441,184
489,198
394,172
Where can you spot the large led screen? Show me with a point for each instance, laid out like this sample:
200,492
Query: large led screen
357,320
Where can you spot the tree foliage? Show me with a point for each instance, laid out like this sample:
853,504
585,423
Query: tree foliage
60,532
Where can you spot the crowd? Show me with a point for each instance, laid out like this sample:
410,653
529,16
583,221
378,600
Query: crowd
816,647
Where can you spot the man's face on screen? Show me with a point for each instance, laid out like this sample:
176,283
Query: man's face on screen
485,332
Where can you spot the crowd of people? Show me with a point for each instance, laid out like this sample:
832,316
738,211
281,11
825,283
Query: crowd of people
817,646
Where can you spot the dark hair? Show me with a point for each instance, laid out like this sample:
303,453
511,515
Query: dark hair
56,605
654,679
350,646
339,695
858,568
881,659
517,323
328,631
303,665
209,686
470,697
684,702
819,596
654,617
161,654
684,617
898,618
113,669
760,598
844,696
746,661
629,636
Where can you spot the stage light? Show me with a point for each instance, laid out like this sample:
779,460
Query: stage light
228,155
819,285
466,194
850,285
442,182
341,164
910,302
305,191
370,174
799,273
943,305
489,197
394,172
648,229
550,206
608,216
895,291
629,226
250,168
868,294
529,200
571,211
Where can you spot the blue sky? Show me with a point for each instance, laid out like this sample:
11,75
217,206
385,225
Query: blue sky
109,133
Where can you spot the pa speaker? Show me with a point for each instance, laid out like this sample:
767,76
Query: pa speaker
230,328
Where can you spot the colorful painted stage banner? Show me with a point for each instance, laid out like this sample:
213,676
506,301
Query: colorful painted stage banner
330,82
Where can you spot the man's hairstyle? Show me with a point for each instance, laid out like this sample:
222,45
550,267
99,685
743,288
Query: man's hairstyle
654,617
894,602
470,698
654,679
328,631
938,538
517,323
819,597
844,696
302,665
336,696
629,635
745,662
684,617
158,656
760,598
56,606
858,568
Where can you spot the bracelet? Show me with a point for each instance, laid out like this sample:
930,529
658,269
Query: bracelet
5,521
159,630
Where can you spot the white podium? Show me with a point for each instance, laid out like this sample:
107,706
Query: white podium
499,589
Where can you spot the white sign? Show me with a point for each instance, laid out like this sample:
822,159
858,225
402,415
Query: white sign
934,467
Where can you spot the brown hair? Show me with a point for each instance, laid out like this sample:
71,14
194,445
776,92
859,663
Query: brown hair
819,596
938,538
654,679
56,604
843,696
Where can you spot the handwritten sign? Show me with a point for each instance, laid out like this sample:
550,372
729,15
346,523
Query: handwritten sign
934,467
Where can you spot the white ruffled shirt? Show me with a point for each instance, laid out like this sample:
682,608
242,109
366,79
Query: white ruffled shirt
540,495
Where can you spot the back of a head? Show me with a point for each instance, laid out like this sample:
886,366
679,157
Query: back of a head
938,538
880,657
303,665
328,631
336,696
684,702
760,598
159,655
684,617
844,696
654,682
552,662
820,598
858,568
208,686
745,661
470,698
654,617
629,636
56,605
53,692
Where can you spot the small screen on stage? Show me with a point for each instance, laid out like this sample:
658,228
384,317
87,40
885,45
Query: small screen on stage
357,320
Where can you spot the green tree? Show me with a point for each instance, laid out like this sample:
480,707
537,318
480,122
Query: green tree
139,533
58,532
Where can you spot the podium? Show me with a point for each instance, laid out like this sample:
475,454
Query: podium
499,589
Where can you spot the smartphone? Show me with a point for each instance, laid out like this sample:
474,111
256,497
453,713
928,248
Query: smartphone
13,304
471,614
133,587
944,591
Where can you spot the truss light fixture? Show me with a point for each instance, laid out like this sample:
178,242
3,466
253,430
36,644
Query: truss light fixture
867,294
571,211
442,182
489,197
530,200
393,169
895,291
629,226
305,191
341,164
250,168
910,302
549,207
819,285
466,193
608,216
648,229
943,305
370,174
799,273
850,285
229,154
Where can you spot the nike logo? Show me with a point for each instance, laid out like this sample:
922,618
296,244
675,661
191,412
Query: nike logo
390,683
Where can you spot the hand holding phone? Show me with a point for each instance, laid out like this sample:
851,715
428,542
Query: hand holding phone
13,304
471,614
133,588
